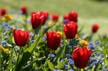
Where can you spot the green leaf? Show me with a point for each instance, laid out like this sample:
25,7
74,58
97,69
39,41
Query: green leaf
22,61
60,64
60,52
51,66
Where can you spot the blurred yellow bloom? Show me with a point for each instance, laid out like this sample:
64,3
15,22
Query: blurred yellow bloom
77,36
50,23
61,33
4,50
7,18
84,43
3,19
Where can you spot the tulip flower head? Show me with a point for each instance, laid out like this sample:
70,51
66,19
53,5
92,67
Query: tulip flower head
24,10
53,40
70,30
3,11
21,37
55,17
95,28
66,18
38,18
73,16
81,56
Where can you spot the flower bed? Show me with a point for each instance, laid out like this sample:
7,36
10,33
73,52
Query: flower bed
41,42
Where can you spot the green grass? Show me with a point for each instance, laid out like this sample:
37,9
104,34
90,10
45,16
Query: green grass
89,11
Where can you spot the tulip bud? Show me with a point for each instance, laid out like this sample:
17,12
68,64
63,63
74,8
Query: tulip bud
53,40
55,17
95,28
24,10
21,37
3,11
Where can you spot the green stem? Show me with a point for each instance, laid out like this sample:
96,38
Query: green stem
79,69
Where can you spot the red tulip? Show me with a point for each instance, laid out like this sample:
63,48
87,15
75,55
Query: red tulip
45,14
66,16
81,56
55,17
73,16
95,28
38,18
70,30
24,10
21,37
3,11
53,40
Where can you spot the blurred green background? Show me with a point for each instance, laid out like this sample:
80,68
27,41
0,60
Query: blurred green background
90,11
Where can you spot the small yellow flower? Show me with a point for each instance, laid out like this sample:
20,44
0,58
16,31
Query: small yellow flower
50,23
7,18
4,50
77,36
84,43
61,33
3,19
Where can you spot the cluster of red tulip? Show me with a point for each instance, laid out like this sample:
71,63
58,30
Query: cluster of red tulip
80,55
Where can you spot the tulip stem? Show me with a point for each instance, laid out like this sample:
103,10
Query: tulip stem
79,69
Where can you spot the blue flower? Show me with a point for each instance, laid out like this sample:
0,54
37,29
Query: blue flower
20,12
34,70
51,55
68,56
91,45
66,66
70,61
93,59
69,47
105,69
56,70
65,21
44,38
3,42
100,55
48,17
5,37
70,70
102,62
32,41
62,60
73,43
4,24
31,35
83,35
98,43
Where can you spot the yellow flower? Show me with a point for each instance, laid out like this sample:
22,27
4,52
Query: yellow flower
77,36
50,23
4,50
3,19
84,43
61,33
7,18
